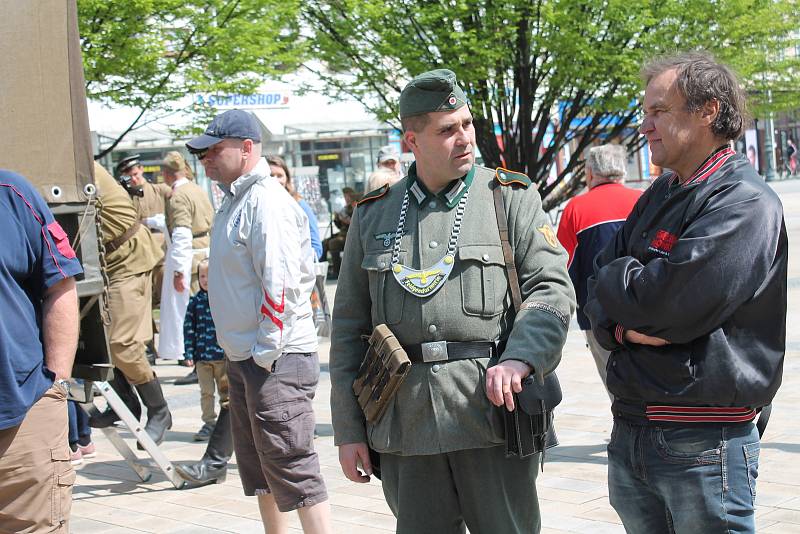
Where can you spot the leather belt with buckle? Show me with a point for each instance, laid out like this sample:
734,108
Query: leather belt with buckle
440,351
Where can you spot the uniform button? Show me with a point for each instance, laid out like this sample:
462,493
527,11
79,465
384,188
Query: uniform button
433,244
285,416
433,204
382,264
485,257
432,329
644,234
436,368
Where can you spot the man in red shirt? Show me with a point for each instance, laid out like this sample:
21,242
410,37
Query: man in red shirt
590,221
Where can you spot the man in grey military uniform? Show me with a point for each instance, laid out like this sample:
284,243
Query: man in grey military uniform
443,291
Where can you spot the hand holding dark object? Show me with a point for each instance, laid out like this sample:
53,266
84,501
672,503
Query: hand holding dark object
505,379
633,336
350,456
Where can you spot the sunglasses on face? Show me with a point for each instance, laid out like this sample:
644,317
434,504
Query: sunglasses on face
199,154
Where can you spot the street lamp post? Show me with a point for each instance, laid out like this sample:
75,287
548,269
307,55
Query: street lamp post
769,141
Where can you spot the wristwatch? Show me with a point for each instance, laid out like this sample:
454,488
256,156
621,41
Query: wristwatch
64,384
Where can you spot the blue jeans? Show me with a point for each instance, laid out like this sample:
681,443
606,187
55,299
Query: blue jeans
78,422
684,479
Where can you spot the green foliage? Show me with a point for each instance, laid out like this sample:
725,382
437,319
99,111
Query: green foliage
149,54
527,64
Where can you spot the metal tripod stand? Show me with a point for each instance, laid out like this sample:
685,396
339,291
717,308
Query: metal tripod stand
137,429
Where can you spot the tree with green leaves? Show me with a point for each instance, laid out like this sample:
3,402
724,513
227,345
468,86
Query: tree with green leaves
151,54
550,73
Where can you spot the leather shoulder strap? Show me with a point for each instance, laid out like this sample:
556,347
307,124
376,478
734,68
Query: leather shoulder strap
114,244
508,253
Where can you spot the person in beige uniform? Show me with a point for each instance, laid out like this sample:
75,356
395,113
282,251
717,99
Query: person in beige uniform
189,215
424,257
150,200
131,254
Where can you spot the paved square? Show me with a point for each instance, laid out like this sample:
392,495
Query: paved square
573,492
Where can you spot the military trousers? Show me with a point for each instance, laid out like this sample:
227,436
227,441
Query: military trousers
129,305
479,489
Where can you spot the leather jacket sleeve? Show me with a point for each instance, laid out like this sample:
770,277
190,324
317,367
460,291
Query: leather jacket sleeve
685,295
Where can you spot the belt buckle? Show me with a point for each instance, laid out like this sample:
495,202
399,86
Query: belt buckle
434,351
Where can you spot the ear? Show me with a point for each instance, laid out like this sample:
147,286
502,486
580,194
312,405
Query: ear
709,111
247,147
410,137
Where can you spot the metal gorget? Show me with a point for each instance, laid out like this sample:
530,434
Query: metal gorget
426,282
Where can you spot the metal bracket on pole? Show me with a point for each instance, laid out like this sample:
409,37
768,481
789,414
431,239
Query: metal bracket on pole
137,429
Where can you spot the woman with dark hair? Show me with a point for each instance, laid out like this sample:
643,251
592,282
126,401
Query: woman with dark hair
281,171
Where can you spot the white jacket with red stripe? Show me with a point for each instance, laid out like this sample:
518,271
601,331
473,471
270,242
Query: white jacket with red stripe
261,271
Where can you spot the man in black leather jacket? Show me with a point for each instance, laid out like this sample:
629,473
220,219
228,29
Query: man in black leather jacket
690,297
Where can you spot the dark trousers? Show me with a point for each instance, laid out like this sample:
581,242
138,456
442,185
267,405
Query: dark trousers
78,422
479,489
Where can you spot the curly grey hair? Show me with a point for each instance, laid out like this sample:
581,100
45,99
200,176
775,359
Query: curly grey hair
701,79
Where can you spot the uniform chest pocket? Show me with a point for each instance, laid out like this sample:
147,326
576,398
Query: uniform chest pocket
386,294
483,279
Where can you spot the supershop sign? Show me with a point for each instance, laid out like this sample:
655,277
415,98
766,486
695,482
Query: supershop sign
255,101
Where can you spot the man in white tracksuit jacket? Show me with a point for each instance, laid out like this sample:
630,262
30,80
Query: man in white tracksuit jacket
261,273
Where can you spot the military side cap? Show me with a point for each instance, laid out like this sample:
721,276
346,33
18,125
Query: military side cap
435,90
507,177
174,161
127,164
374,195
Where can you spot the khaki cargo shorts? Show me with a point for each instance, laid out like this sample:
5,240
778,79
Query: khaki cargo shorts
36,476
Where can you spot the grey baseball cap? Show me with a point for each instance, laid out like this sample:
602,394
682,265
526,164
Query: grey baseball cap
388,152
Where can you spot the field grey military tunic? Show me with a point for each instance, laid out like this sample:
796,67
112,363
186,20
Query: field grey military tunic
442,407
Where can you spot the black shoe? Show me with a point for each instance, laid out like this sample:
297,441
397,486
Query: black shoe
204,433
123,388
213,467
191,378
159,419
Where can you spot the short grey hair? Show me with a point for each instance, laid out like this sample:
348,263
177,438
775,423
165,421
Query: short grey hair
701,79
608,161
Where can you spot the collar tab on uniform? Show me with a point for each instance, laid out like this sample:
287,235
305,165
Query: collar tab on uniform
449,196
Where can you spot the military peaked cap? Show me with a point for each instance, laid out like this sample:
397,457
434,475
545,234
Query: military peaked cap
435,90
127,164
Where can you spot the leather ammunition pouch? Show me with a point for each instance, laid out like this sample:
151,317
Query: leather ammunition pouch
383,369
